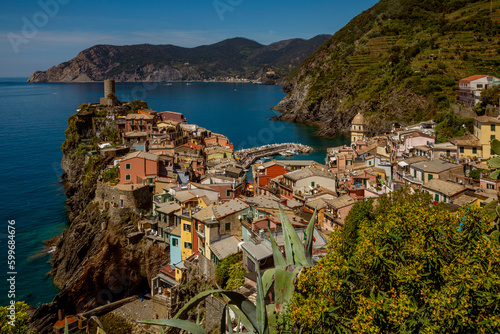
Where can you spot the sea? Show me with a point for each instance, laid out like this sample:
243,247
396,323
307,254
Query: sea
35,116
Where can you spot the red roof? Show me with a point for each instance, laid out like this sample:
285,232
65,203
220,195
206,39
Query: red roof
474,77
63,323
168,270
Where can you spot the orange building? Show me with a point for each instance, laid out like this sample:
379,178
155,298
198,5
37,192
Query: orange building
139,168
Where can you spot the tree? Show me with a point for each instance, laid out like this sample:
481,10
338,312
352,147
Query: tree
413,268
18,324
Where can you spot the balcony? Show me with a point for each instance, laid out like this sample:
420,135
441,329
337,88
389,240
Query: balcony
411,179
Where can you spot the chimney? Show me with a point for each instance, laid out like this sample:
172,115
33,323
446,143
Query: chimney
261,234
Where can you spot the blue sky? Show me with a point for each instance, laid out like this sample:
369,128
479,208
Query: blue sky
35,35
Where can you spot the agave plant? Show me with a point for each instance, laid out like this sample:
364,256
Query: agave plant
254,316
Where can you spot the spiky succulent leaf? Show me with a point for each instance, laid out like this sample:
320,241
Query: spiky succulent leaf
243,319
186,325
286,237
222,326
279,260
494,162
495,174
297,246
237,299
262,324
495,146
497,210
66,329
308,243
229,323
284,283
268,280
495,236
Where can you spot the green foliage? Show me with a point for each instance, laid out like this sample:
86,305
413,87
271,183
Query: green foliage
475,173
407,50
491,95
450,125
222,272
135,105
411,270
20,324
236,276
110,175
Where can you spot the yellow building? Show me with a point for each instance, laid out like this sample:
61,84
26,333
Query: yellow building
357,128
186,237
478,144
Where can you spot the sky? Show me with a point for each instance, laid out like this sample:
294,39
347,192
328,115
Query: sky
38,34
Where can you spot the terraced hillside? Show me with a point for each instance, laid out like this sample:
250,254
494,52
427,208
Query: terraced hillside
399,60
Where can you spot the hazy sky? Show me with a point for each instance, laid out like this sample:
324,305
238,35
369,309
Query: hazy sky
36,35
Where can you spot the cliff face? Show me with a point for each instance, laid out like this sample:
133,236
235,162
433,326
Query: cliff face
93,263
397,61
237,56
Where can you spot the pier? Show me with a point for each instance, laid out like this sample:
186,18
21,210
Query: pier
247,157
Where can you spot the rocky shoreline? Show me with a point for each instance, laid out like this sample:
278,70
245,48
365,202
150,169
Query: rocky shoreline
93,263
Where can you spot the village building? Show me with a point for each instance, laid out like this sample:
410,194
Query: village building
442,190
139,168
470,88
140,123
305,182
422,172
337,211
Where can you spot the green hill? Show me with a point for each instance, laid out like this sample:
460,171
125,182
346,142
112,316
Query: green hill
146,62
399,60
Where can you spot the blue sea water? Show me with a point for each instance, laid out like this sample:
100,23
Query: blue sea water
35,117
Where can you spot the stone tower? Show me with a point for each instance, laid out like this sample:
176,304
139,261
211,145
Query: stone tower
109,88
357,128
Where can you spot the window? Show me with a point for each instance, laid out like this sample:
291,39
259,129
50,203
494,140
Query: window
479,85
474,150
127,166
188,245
196,225
141,122
461,149
312,184
492,127
228,193
436,197
127,177
228,226
490,186
175,242
370,163
429,177
132,122
492,137
187,227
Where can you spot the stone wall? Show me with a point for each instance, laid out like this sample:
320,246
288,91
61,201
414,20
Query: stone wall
214,308
120,198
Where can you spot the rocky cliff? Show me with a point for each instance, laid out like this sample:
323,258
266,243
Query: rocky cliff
232,57
397,61
93,263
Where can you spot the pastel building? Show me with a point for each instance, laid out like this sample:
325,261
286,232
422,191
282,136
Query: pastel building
469,89
139,168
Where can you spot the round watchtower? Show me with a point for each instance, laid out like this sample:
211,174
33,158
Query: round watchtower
109,87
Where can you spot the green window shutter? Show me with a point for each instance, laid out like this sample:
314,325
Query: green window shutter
436,197
430,176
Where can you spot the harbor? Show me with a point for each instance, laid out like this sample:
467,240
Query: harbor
247,157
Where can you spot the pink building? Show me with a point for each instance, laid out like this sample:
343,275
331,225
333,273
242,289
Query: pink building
140,123
139,168
414,140
487,183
